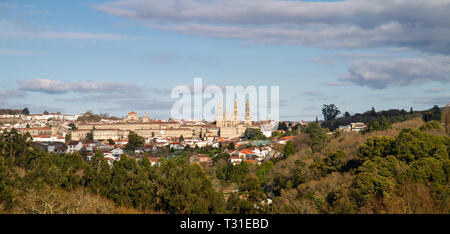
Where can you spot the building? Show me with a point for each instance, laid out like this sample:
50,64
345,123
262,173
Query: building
132,117
356,127
200,159
74,146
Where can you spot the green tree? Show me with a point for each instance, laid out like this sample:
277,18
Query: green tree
90,135
254,134
333,162
289,149
283,126
317,135
25,111
73,126
431,125
330,112
134,141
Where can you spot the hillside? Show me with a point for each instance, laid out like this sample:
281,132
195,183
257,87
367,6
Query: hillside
398,170
403,169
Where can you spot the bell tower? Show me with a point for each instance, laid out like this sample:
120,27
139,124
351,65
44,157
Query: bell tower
235,117
248,119
220,122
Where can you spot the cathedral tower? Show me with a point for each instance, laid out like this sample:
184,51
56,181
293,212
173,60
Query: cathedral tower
248,118
235,117
220,121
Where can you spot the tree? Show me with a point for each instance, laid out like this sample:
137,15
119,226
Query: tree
346,114
289,149
254,134
6,191
432,114
384,123
373,113
330,112
317,135
446,118
45,112
333,161
283,126
111,142
134,141
181,139
68,137
25,111
73,126
436,113
90,135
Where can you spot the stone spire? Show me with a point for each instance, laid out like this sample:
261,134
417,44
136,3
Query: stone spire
248,119
219,122
235,117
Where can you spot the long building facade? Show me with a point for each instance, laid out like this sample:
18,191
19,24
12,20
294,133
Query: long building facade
225,127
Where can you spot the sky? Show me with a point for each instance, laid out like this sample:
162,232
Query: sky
126,55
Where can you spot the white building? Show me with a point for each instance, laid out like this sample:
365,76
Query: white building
74,146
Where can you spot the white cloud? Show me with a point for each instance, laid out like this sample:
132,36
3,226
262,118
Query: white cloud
9,30
379,74
323,61
55,86
424,25
8,94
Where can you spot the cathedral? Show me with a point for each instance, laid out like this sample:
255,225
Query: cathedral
233,127
227,121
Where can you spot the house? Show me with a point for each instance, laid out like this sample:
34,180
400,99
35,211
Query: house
108,154
60,148
356,127
74,146
347,128
235,160
176,145
200,159
246,152
49,138
109,158
286,139
52,147
117,152
154,161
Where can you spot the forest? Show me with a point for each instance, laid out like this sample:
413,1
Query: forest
403,167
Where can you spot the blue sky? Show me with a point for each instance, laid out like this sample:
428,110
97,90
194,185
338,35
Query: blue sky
118,56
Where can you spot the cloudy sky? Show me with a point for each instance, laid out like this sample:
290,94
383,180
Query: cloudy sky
121,55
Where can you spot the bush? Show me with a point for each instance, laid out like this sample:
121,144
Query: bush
431,125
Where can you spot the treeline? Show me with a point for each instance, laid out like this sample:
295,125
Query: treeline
14,111
90,116
393,116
